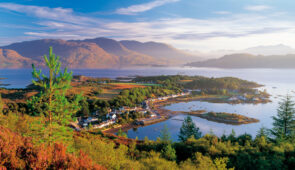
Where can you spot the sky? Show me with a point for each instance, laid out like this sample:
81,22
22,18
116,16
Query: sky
202,25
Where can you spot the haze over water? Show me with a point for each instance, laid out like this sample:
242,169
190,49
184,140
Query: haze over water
276,81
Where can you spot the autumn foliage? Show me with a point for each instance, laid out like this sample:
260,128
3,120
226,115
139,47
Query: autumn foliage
17,152
126,86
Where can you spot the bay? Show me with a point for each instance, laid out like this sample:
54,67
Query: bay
278,82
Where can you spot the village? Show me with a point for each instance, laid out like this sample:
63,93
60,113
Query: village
144,109
147,114
256,97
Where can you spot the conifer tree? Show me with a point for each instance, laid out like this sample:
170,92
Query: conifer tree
52,103
168,153
262,132
165,135
84,109
284,122
188,129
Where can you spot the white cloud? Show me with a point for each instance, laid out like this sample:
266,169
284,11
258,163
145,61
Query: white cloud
222,12
134,9
235,31
257,7
61,14
56,35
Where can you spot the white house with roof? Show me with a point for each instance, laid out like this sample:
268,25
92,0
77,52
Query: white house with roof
233,98
111,115
87,121
242,98
255,99
153,115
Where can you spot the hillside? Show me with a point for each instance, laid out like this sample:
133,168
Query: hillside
249,61
96,53
73,54
161,51
279,49
127,57
12,59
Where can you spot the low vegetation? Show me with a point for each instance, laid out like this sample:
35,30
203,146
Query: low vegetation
199,82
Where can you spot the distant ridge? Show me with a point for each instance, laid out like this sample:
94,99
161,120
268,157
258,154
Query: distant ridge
161,51
93,53
249,61
267,50
73,54
12,59
126,57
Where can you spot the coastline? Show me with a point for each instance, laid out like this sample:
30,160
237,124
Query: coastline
164,114
132,125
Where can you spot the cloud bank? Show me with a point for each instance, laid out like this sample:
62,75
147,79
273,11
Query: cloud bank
257,7
134,9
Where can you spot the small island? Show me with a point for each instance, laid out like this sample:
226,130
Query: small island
223,117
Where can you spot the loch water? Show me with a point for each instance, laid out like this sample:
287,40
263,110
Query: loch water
277,82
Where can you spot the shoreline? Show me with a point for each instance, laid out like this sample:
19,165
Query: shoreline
132,125
165,114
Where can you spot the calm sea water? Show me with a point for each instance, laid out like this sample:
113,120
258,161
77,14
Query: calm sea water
277,82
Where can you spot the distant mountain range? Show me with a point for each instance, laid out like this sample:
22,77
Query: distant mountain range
248,61
94,53
109,53
279,49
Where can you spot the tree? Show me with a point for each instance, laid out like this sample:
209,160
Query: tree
122,134
262,132
168,153
165,135
284,122
52,103
84,109
232,136
188,129
146,140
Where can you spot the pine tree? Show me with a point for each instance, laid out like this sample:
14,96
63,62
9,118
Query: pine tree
188,129
165,135
262,132
84,109
168,153
232,136
52,103
284,122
